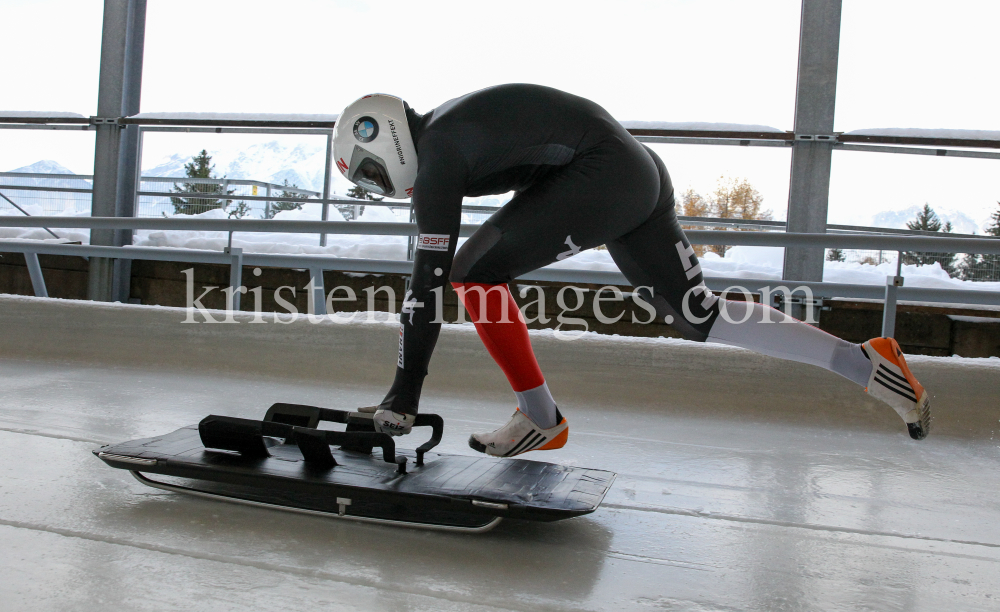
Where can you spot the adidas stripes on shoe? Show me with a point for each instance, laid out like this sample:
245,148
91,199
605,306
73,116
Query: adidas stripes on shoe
892,382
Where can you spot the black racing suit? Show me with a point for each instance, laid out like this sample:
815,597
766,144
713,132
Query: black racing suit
581,180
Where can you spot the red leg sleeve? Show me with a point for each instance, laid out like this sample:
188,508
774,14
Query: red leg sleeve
508,341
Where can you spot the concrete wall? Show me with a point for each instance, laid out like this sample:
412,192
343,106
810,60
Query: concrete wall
702,381
920,329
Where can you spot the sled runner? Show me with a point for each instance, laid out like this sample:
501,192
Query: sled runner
288,462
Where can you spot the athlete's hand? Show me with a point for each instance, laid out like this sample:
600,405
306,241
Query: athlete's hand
393,423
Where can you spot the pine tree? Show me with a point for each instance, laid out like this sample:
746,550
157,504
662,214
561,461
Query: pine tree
239,211
928,221
277,207
983,267
199,167
358,193
835,255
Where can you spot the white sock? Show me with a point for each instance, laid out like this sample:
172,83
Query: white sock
537,404
788,338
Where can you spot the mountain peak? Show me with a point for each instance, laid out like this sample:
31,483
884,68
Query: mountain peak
45,166
962,223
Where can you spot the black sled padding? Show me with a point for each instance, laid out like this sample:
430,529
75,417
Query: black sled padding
244,436
315,449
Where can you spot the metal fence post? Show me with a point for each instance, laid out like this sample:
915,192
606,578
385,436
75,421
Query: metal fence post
118,95
35,272
892,285
137,187
326,185
130,184
317,297
812,152
267,205
235,274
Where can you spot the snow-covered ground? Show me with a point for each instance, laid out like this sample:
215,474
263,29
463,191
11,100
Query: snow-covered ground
739,262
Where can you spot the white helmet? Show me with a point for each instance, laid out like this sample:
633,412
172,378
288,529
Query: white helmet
373,146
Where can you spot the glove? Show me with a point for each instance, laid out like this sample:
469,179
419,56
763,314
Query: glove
393,423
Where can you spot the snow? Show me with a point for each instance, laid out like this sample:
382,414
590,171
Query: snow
740,262
927,133
961,222
299,160
59,114
45,166
698,126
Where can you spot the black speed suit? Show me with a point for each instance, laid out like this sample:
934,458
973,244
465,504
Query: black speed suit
581,180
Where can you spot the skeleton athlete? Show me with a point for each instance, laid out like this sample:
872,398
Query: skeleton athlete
580,180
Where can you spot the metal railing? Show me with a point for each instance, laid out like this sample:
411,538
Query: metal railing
769,233
316,264
264,203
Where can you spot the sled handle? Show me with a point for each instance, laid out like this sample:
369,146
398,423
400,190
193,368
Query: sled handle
436,423
246,437
300,415
361,438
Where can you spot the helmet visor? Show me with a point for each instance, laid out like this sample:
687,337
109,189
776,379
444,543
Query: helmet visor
369,171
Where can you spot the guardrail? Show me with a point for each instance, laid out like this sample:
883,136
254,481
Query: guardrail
316,264
840,237
312,198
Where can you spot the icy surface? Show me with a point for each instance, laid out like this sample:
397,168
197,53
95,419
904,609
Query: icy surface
726,499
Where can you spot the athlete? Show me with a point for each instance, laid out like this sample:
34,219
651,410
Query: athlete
580,180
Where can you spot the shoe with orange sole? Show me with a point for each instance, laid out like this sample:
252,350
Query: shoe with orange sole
892,382
521,435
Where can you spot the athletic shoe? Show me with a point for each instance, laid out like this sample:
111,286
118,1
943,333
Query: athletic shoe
521,435
892,382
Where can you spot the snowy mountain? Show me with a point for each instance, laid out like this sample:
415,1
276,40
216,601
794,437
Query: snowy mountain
51,203
47,166
897,219
275,161
301,163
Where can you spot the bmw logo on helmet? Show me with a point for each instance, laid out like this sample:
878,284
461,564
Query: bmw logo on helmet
365,129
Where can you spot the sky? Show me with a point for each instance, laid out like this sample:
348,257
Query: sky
902,64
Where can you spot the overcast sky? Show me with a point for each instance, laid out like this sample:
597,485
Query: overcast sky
902,64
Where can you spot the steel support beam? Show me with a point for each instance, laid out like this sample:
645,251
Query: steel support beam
326,184
129,154
116,150
35,273
815,101
317,294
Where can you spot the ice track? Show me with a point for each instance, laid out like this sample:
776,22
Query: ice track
745,483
